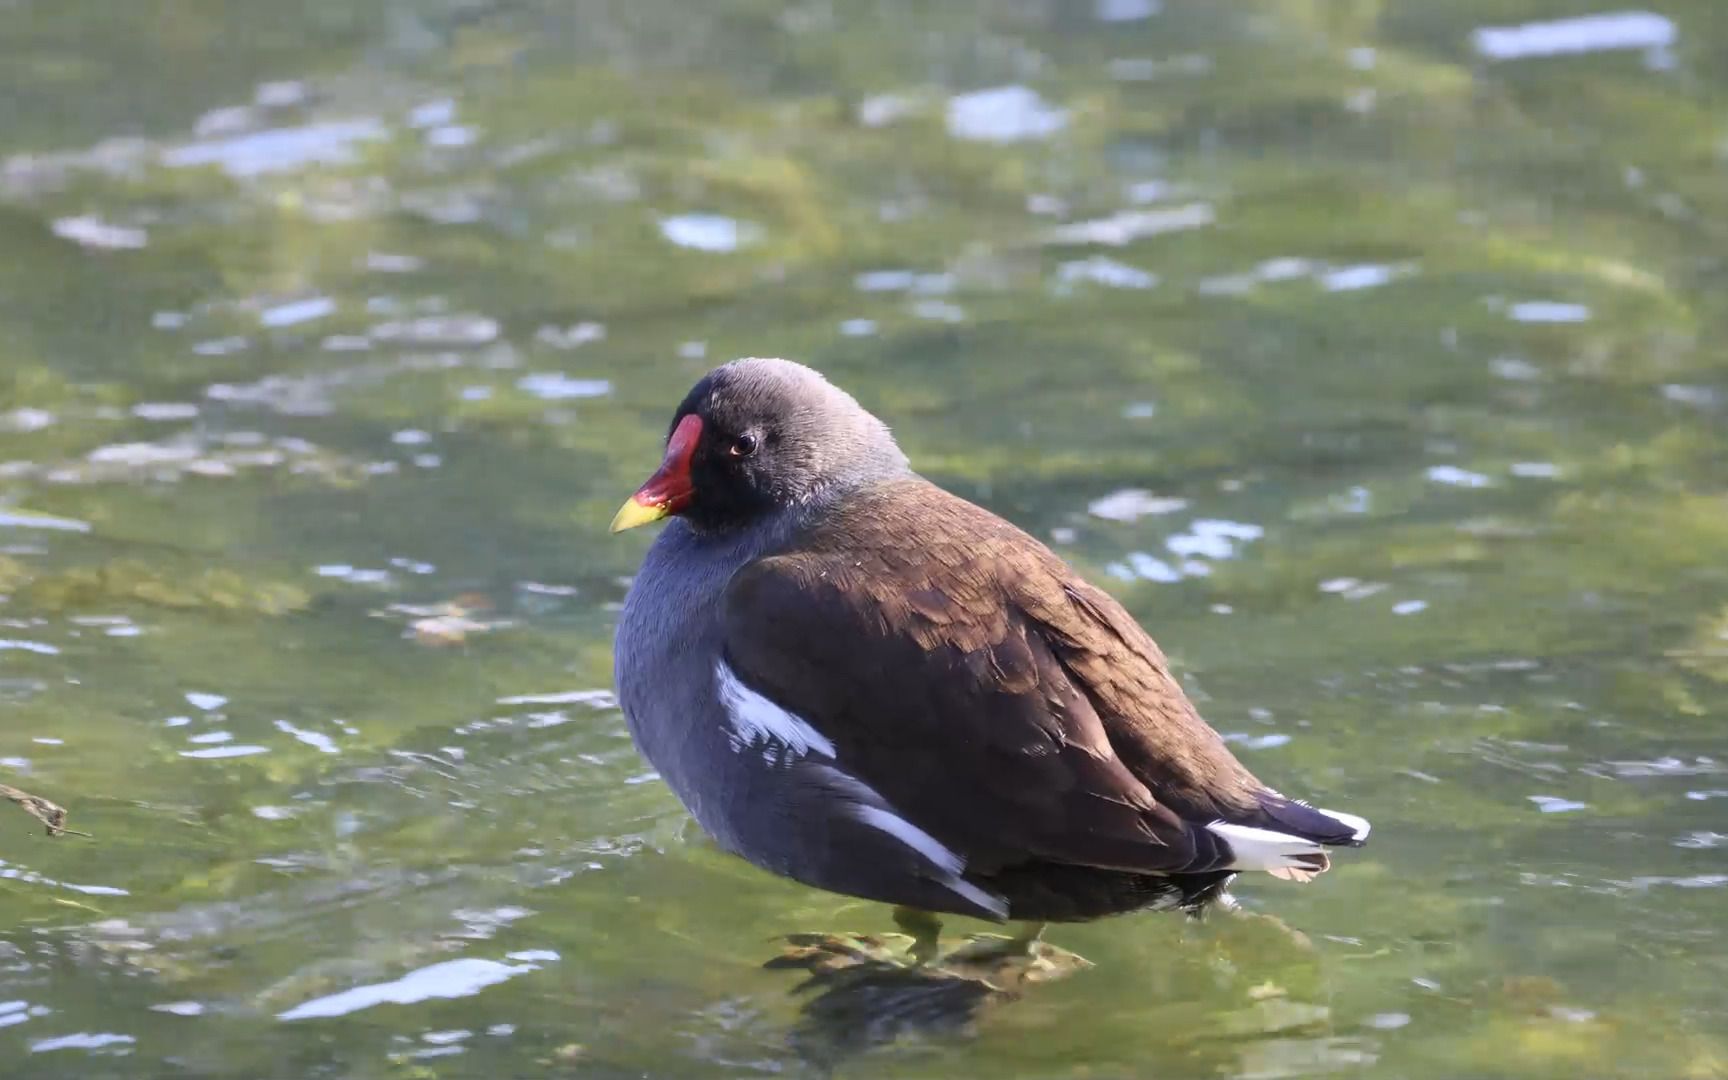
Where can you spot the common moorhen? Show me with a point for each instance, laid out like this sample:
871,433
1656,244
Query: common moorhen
858,680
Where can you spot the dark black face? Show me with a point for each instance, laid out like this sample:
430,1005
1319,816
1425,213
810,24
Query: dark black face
756,436
740,470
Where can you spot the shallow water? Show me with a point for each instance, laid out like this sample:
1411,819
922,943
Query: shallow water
1371,352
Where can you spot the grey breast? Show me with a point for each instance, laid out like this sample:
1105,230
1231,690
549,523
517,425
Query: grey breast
667,652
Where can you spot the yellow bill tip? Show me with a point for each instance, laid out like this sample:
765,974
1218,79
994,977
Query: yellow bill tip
633,513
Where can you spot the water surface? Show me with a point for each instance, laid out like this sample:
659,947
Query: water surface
1372,353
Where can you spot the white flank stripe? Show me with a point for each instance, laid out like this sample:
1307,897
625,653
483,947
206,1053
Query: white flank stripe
871,809
1358,825
757,721
912,836
1263,849
990,902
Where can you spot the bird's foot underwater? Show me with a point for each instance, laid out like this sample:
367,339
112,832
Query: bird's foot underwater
866,990
1009,962
821,953
996,961
1251,924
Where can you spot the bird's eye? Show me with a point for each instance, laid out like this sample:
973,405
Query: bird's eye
743,446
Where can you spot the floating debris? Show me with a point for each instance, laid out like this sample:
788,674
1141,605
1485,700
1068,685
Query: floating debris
450,623
51,815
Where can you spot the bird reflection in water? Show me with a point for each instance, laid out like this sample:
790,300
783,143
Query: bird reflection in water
864,990
1241,992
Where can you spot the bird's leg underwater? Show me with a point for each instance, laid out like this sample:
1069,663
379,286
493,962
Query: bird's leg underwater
1020,943
915,947
1003,963
1011,961
926,931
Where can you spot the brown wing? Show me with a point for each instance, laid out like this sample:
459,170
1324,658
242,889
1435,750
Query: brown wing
998,702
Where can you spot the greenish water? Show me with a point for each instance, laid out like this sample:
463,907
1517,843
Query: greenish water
333,332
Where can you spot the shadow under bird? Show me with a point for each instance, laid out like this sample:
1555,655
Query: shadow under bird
858,680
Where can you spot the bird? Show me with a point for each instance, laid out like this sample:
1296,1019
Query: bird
858,680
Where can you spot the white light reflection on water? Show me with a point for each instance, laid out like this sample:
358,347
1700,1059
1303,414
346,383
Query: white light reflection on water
1366,276
1212,538
297,311
1127,226
81,1041
449,979
180,1008
14,1012
37,647
1130,504
91,231
219,752
1584,34
1554,804
1116,11
557,386
1205,539
279,149
41,521
1003,114
1453,476
709,232
599,699
320,742
1548,311
14,872
1099,270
